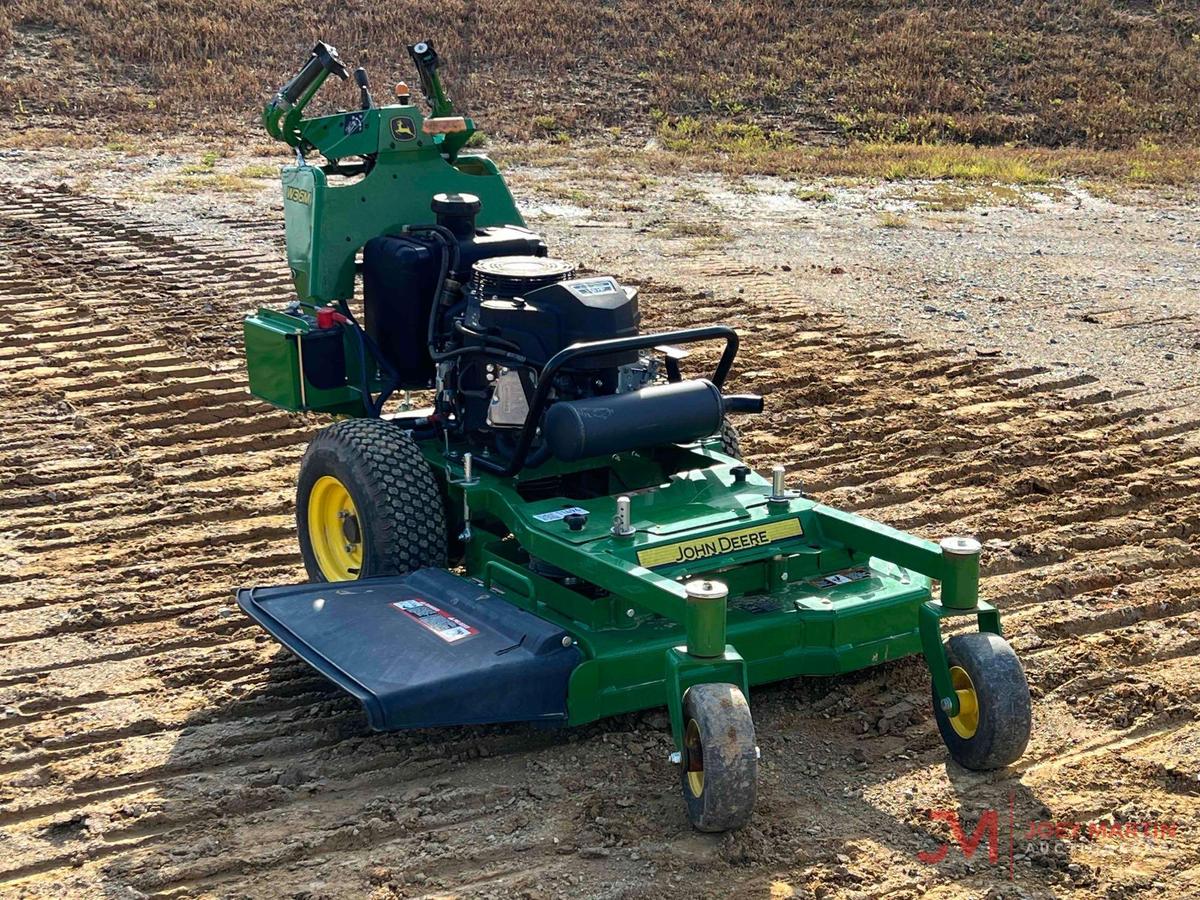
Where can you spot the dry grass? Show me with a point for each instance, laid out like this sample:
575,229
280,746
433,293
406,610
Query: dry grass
218,183
812,194
955,197
1084,73
38,138
1145,164
259,170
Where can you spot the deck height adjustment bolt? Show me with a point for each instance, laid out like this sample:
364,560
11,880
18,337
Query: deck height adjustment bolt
706,589
469,470
947,704
623,521
779,491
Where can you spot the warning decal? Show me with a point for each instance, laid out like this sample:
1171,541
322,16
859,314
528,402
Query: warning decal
846,576
715,545
449,628
556,514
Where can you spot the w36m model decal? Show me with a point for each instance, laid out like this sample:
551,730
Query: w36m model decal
717,544
298,195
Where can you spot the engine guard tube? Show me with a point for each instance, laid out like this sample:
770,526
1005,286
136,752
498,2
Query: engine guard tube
541,397
661,414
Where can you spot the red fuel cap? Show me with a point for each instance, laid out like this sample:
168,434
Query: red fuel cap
327,317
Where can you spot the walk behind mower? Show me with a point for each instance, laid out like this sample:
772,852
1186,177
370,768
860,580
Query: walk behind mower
565,530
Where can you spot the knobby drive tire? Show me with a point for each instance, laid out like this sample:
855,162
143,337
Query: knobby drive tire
731,441
719,766
1002,696
401,512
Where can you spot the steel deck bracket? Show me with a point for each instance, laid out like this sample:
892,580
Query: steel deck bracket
685,670
930,623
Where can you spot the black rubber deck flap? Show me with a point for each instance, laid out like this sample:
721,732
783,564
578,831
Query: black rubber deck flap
424,649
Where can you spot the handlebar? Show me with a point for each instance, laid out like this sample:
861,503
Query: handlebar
282,116
364,88
322,62
323,58
426,60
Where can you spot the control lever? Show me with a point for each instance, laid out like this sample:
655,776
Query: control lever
364,89
426,60
281,116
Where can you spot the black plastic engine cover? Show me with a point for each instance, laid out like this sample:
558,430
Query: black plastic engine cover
553,317
399,281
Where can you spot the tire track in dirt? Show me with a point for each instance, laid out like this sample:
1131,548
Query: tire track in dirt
153,740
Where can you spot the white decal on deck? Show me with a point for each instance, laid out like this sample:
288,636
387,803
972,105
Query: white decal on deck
449,628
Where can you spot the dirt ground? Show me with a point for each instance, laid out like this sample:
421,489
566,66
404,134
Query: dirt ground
1018,365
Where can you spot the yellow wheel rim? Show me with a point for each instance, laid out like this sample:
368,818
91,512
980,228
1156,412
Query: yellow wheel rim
966,722
334,530
693,754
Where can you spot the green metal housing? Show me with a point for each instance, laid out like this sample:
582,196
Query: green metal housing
327,223
275,364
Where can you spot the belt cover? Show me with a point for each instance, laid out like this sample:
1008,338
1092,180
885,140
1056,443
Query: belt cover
425,649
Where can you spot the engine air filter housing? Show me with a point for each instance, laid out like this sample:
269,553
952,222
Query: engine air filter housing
537,305
508,277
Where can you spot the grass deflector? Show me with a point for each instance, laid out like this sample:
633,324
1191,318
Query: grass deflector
566,531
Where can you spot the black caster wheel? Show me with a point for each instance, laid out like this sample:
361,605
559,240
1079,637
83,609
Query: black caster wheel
992,727
719,765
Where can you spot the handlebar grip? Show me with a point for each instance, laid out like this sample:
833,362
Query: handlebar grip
426,60
423,54
364,88
323,58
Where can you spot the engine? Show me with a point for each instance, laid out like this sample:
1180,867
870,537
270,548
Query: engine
476,313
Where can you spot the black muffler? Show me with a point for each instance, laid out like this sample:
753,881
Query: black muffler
661,414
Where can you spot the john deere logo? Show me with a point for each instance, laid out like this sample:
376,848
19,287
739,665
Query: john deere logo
403,129
718,544
298,195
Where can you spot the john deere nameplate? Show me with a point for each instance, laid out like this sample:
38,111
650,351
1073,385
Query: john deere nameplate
717,544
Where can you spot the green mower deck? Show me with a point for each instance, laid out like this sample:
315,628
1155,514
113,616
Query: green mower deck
811,590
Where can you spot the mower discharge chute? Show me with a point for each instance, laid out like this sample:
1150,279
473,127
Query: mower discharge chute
566,531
